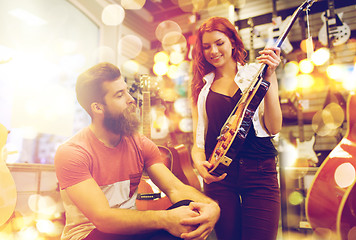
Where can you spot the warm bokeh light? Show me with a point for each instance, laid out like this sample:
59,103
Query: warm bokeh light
188,5
291,68
349,83
352,233
160,124
160,68
6,54
161,56
133,4
166,27
176,57
212,4
320,56
45,226
42,204
28,233
324,234
333,115
345,175
319,126
113,15
172,71
295,198
130,46
306,66
289,83
174,41
291,151
186,125
337,72
6,236
181,106
130,67
169,94
305,81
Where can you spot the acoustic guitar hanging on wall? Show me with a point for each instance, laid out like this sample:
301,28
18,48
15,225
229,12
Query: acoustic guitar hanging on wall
331,199
8,193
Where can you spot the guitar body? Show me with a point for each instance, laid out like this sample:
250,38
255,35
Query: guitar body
160,203
329,202
237,129
346,218
182,166
8,193
150,197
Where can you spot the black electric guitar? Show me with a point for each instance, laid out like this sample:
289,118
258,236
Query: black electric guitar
239,122
334,31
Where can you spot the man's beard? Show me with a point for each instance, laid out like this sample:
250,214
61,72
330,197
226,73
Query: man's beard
124,124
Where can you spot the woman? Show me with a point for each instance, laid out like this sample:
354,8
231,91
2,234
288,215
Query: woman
248,194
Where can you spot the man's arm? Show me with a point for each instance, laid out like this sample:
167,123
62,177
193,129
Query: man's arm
89,198
208,209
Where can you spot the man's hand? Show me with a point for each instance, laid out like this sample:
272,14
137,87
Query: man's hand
175,217
204,223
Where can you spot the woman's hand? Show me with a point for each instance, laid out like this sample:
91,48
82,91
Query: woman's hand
203,169
272,57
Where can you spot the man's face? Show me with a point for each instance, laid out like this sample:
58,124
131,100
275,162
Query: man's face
120,115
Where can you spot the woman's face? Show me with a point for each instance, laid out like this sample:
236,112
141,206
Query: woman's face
217,48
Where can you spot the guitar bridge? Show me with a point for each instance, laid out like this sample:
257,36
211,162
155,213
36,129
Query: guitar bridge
148,196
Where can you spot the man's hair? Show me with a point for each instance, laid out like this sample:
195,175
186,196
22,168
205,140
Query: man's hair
89,84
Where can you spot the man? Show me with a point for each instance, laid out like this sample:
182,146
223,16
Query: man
100,167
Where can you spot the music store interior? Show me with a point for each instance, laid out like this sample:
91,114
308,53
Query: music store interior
45,45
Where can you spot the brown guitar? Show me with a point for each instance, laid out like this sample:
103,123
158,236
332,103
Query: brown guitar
8,194
149,196
331,199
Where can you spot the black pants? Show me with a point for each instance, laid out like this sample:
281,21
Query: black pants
249,199
156,235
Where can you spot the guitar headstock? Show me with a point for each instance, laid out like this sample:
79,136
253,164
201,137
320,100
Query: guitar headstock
149,84
145,82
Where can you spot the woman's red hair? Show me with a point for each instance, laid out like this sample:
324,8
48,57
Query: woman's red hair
201,66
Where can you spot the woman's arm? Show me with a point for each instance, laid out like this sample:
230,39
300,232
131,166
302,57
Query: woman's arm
272,110
198,155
